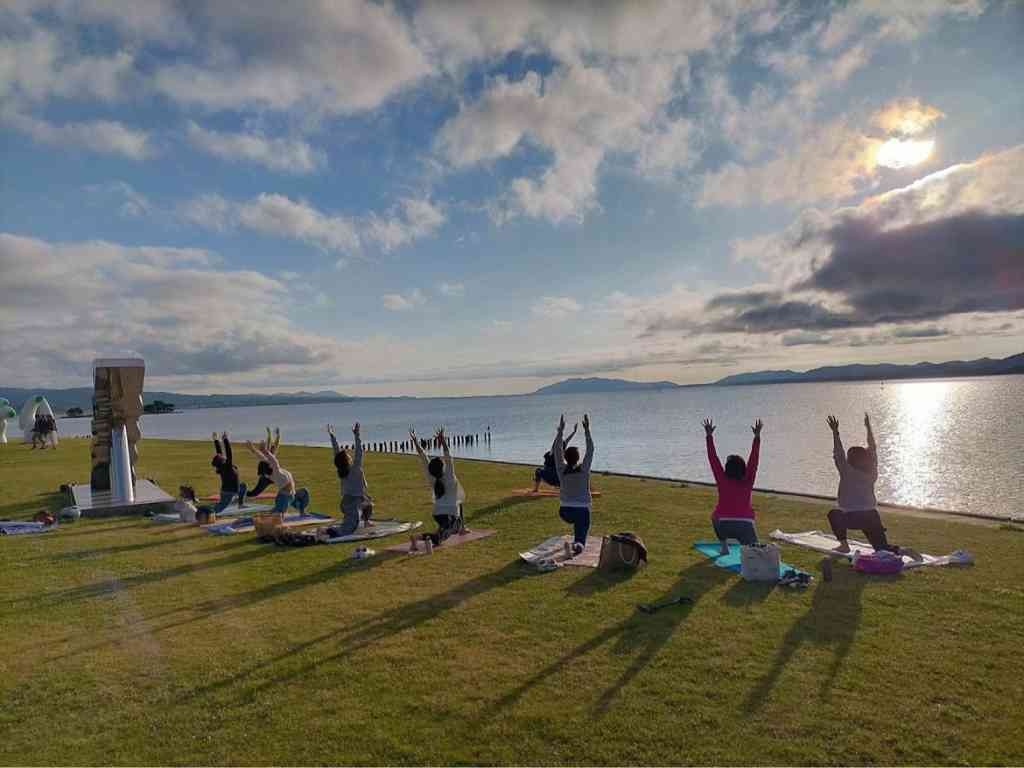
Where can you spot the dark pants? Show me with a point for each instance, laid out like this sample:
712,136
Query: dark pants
446,526
741,530
579,519
546,475
868,521
226,497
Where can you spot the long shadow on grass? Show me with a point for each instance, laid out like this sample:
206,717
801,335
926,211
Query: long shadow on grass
645,635
108,586
84,554
501,506
50,502
354,637
832,618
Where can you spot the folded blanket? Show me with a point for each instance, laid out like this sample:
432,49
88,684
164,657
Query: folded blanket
247,524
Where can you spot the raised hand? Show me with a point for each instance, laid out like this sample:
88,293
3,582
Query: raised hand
440,434
215,436
330,429
561,423
709,427
224,434
586,422
833,423
355,429
756,429
867,421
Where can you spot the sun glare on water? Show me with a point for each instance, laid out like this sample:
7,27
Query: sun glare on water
902,153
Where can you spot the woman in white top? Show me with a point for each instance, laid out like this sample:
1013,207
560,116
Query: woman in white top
287,496
448,492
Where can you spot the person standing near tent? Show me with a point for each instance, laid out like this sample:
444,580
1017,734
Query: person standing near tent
448,492
548,473
856,505
733,517
223,464
356,503
574,483
282,478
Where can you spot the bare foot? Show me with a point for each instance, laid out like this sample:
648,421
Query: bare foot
724,549
842,549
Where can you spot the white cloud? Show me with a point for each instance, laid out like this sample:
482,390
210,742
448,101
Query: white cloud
396,302
556,307
105,136
280,216
454,290
156,302
414,218
286,155
336,56
131,204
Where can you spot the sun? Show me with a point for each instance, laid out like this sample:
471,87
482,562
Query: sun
903,153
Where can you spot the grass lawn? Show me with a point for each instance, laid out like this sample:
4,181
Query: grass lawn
126,642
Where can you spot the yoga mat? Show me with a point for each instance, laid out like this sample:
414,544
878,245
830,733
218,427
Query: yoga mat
246,524
22,527
452,541
553,551
731,562
232,511
825,543
264,495
380,529
547,493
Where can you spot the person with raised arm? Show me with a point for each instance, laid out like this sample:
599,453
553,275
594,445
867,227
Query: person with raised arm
548,473
733,517
448,492
574,482
356,504
282,478
856,505
223,464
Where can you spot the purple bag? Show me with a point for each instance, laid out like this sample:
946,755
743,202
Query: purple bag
881,562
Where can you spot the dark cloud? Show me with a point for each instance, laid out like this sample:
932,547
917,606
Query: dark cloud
973,262
930,332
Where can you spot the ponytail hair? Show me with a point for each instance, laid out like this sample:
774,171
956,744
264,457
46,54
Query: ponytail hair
436,470
341,463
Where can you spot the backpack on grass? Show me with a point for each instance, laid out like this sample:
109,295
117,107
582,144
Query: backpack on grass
622,551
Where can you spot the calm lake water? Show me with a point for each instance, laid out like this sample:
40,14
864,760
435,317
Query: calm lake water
952,444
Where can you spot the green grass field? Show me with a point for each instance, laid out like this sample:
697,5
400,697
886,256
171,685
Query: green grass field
126,642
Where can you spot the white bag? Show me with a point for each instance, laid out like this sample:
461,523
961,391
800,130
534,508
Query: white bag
760,562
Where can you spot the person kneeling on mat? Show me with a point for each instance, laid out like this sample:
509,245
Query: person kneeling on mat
223,464
733,517
548,473
447,490
574,483
856,506
282,478
356,503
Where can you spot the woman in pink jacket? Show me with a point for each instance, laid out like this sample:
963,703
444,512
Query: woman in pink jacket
733,517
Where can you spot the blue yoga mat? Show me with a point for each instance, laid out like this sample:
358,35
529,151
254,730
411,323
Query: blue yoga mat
731,562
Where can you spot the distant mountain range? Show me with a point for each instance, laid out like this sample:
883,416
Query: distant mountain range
593,384
986,366
856,372
81,397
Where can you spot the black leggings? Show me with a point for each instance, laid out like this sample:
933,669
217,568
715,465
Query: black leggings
867,521
446,526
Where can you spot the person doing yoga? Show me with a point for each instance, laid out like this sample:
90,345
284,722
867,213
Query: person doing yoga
223,464
548,473
447,490
574,483
856,506
282,478
733,517
356,503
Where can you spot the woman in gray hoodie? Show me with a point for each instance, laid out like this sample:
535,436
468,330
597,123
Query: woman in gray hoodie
356,503
574,483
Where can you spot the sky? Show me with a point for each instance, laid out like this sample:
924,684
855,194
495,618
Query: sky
463,198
